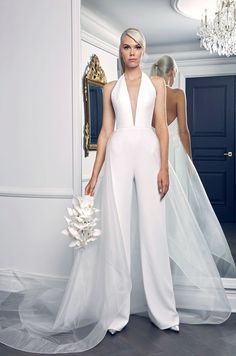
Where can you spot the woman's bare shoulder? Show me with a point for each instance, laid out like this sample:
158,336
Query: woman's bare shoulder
107,90
109,86
178,92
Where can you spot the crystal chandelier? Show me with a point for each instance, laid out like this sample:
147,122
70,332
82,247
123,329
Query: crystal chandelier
219,34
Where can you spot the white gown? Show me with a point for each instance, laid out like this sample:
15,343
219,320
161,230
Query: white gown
143,262
199,202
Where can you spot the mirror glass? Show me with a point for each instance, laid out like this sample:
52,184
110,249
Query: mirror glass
169,32
94,80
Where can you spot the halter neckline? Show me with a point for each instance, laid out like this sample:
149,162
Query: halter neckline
134,117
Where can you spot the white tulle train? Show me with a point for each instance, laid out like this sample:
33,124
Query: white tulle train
50,316
46,316
200,204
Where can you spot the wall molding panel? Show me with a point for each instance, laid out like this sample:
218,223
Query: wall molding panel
54,193
97,42
205,69
106,37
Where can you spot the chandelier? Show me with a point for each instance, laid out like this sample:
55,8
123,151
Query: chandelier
219,33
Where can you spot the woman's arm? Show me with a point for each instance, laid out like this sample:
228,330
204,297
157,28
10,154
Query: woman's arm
160,119
182,121
108,122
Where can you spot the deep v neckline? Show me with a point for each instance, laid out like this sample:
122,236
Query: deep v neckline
134,117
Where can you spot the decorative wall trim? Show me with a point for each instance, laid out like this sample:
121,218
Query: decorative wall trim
48,193
195,59
229,63
106,37
189,69
97,42
76,96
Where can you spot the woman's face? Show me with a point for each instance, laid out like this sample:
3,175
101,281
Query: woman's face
131,52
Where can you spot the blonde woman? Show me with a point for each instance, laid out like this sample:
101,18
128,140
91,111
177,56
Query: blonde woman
135,153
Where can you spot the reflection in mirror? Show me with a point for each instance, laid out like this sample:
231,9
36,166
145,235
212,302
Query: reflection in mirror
208,82
94,80
209,96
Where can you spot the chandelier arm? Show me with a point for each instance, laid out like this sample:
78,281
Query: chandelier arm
219,34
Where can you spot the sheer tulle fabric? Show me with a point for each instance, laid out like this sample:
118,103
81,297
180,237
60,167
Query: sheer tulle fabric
49,316
199,203
52,317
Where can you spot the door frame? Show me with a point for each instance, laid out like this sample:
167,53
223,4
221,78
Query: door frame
209,68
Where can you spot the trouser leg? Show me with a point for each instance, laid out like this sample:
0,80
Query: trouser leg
123,181
153,243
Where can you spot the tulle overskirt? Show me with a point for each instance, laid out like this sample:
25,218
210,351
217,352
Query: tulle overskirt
44,315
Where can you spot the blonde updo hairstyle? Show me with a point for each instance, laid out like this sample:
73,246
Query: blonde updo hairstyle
137,36
163,66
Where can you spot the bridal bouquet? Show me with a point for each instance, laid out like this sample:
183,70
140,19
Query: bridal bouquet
81,222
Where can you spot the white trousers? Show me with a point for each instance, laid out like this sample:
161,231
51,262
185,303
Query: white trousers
135,157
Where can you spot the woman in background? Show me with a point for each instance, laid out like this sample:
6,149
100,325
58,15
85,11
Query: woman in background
180,157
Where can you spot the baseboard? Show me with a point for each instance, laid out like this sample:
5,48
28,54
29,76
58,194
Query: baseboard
8,281
230,288
16,281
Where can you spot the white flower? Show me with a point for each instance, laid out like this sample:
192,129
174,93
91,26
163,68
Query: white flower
81,222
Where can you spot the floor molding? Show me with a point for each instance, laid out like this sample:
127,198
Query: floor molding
8,278
230,288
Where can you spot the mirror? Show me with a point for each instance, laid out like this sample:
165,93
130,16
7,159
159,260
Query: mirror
94,81
193,62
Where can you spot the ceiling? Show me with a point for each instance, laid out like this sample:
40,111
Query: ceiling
164,28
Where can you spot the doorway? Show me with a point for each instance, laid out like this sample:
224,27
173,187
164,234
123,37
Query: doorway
211,119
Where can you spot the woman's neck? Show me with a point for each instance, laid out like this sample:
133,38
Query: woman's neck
167,81
132,73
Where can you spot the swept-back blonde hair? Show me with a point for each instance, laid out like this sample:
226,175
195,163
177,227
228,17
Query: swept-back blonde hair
137,36
163,66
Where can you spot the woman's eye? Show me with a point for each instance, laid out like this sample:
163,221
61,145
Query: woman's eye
126,47
138,47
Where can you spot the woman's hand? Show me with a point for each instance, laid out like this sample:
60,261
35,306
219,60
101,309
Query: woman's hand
89,189
163,182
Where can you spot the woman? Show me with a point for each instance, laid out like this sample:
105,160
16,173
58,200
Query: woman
127,269
180,157
133,146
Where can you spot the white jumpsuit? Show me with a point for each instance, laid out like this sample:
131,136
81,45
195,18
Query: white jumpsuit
135,156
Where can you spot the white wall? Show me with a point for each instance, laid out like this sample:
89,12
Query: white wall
108,62
36,136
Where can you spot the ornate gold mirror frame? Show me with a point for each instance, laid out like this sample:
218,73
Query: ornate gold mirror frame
94,80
